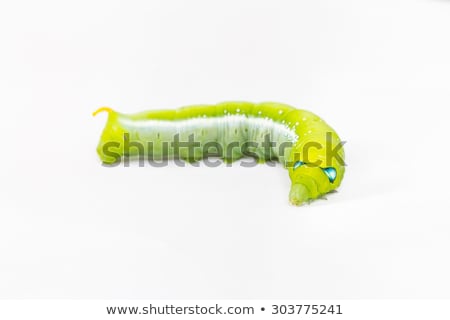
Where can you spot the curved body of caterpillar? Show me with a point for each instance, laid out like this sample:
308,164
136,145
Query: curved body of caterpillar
308,147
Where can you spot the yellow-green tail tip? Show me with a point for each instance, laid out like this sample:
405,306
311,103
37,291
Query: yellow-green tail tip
101,109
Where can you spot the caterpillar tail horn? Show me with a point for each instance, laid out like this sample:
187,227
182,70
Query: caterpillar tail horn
101,109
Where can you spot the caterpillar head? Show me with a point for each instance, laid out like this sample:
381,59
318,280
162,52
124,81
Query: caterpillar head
317,167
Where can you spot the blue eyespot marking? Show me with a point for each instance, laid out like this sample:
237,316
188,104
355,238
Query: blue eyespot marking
298,164
331,173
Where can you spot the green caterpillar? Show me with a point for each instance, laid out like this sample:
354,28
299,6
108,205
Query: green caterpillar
302,142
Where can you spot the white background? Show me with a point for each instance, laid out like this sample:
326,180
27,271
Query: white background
377,71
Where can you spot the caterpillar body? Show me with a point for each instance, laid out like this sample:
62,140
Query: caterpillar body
302,142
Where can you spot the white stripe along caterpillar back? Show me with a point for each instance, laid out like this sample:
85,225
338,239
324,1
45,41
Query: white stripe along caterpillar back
302,142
